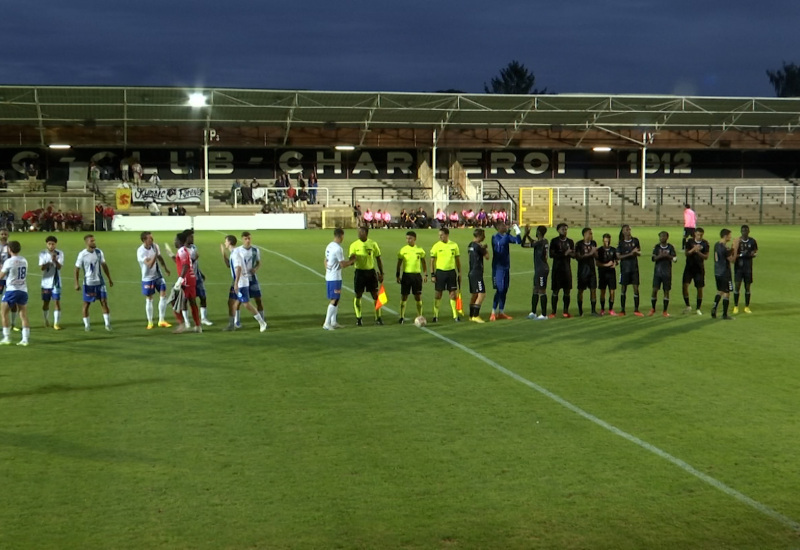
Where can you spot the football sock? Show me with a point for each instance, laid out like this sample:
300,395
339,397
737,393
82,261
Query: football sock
329,314
534,302
335,315
185,315
162,308
717,298
495,301
238,316
6,332
636,302
419,308
403,308
258,318
566,303
580,308
13,318
652,303
686,299
107,318
666,304
86,322
26,333
622,300
378,313
436,303
454,308
602,304
699,302
357,306
747,299
204,313
261,312
543,301
56,316
736,299
195,314
725,303
594,306
501,301
611,305
554,302
46,314
148,309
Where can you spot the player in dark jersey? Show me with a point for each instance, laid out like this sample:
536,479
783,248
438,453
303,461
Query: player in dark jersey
586,254
664,256
746,249
628,251
562,250
477,253
607,274
540,269
697,251
722,273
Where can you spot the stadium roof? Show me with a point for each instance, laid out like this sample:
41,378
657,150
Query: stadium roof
146,116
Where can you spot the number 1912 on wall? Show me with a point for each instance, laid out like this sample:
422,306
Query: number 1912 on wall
666,163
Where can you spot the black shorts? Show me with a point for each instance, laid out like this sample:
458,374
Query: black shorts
411,283
476,285
693,275
629,278
365,280
743,275
540,280
724,283
588,280
607,279
662,281
561,281
446,280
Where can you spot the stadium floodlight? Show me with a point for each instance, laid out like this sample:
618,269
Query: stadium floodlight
601,149
345,148
59,146
197,100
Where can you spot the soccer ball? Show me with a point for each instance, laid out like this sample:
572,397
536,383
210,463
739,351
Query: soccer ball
420,321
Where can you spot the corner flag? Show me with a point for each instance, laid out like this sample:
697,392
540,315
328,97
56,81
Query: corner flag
382,298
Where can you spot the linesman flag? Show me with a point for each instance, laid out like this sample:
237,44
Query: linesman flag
382,298
459,305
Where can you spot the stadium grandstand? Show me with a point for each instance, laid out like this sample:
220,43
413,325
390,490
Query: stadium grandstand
584,159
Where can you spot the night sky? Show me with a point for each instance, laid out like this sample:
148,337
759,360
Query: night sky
710,48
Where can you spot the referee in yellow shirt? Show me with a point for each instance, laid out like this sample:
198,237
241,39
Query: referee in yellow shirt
446,269
410,268
365,254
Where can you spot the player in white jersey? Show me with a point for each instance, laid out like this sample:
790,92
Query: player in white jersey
239,294
334,263
14,273
4,255
149,257
50,261
92,260
252,260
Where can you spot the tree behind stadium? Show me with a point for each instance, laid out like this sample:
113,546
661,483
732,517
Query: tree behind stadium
515,78
786,81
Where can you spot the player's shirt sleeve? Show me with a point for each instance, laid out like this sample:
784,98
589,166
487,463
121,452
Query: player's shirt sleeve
376,248
141,255
100,256
353,250
79,261
655,253
456,250
43,258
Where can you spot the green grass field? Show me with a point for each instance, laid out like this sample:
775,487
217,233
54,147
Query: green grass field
396,437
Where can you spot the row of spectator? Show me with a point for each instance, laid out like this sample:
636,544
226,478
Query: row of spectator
419,218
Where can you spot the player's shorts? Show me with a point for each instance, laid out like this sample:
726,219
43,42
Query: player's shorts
606,279
200,287
724,283
588,280
411,283
540,279
476,285
94,292
743,275
446,280
334,289
561,281
254,289
243,296
629,278
189,290
2,285
365,280
501,280
16,297
151,287
51,294
694,276
662,281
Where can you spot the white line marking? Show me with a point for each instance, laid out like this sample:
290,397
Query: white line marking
688,468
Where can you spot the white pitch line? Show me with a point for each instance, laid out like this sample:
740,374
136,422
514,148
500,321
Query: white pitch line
686,467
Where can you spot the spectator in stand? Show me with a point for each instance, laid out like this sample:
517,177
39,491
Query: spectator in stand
137,171
300,181
480,218
441,219
254,185
247,194
377,219
302,198
454,219
124,168
357,215
502,215
387,219
155,180
469,218
48,221
422,218
108,217
154,208
172,210
32,172
94,174
368,217
77,221
312,188
3,182
291,195
412,219
98,217
403,218
181,210
59,221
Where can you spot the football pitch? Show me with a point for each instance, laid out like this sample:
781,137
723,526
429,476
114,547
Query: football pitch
613,433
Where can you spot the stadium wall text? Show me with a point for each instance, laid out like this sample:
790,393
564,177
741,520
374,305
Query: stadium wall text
267,164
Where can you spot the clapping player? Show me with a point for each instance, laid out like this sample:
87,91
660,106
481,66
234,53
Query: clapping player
562,250
541,269
586,254
628,252
607,274
722,273
747,249
697,251
664,256
92,260
51,260
477,253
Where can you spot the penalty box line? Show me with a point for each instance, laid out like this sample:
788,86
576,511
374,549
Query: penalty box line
686,467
